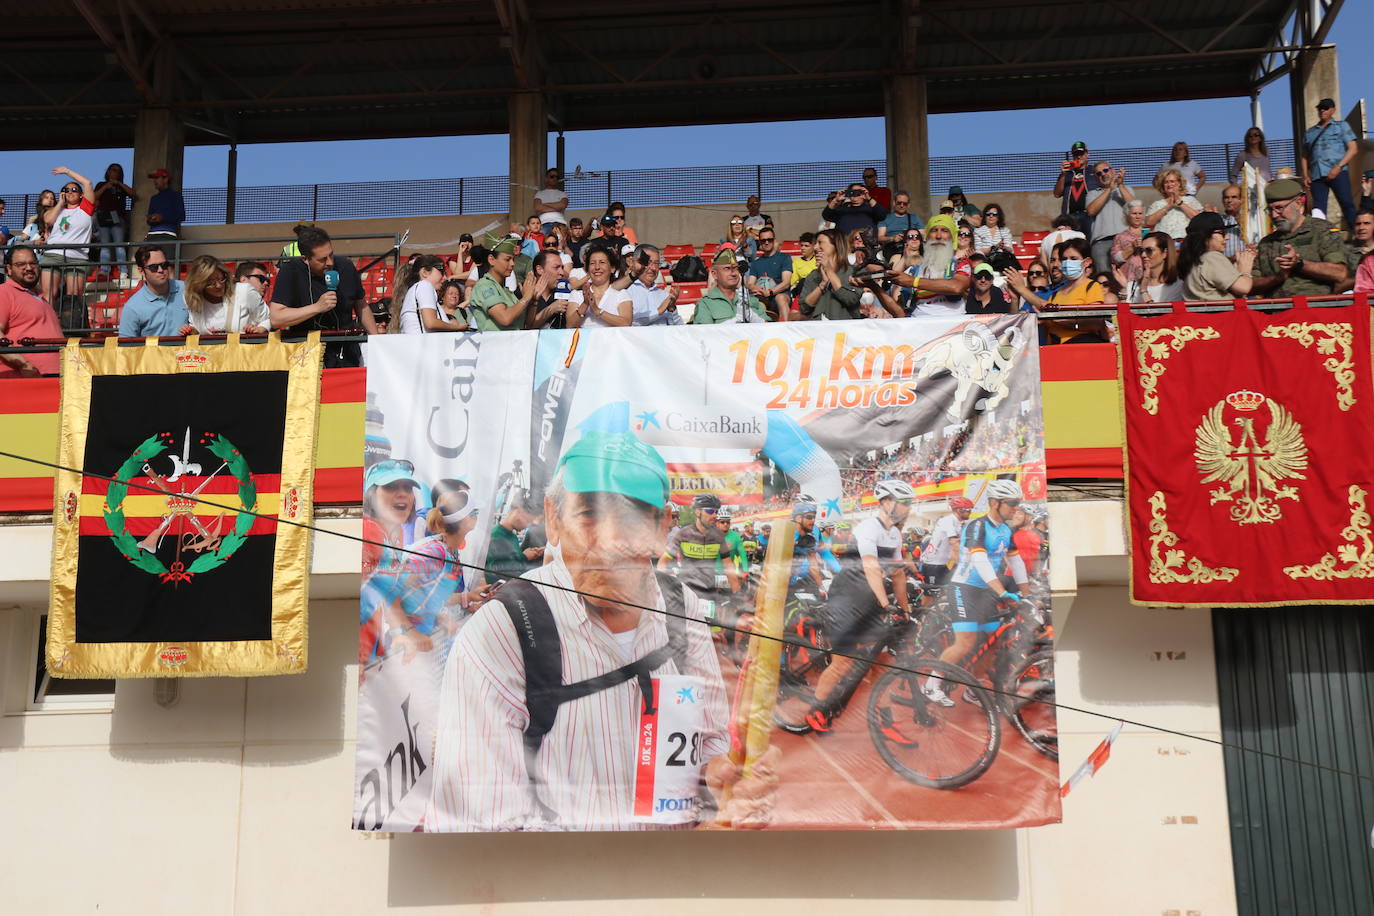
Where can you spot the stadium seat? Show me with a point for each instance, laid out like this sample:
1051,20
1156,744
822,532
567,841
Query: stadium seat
708,251
792,248
1034,237
691,292
673,252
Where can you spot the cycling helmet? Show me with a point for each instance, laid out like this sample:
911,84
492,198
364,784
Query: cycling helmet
1005,490
893,489
724,515
705,501
960,502
804,505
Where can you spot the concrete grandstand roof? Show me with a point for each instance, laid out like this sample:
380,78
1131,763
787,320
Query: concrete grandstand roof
78,71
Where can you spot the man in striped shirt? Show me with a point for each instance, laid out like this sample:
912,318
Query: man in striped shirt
603,515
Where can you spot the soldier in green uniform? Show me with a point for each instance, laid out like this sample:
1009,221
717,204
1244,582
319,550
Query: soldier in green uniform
1303,256
725,302
495,307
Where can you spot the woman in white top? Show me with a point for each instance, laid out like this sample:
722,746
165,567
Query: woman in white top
993,233
210,305
1160,282
70,222
1194,176
36,231
1174,208
417,289
603,306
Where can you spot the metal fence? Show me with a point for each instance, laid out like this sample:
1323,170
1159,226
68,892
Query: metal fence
983,174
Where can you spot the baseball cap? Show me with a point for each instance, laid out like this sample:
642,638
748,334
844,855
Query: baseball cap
1326,103
985,268
615,463
1205,223
1369,173
946,205
955,190
159,173
1078,144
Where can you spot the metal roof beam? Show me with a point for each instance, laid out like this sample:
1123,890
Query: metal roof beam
1304,28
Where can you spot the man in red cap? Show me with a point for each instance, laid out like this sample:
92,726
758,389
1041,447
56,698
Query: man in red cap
166,209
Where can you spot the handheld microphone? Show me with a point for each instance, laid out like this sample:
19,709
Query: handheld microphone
331,280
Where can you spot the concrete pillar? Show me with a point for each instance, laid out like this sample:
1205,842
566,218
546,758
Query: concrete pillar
159,143
1315,77
529,151
908,140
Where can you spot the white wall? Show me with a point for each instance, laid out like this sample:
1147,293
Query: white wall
237,799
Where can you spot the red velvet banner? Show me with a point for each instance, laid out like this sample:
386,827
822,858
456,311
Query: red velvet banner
1250,472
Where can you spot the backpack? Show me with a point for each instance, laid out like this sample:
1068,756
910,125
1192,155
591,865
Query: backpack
541,652
72,312
689,269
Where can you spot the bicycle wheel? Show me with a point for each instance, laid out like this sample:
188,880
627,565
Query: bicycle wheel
934,633
932,745
1031,709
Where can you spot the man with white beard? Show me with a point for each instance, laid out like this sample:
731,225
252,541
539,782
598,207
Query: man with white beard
1303,256
940,281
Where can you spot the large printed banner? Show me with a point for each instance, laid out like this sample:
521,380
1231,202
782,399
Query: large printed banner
1248,485
169,558
661,502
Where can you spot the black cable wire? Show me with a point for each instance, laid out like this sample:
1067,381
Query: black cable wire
711,623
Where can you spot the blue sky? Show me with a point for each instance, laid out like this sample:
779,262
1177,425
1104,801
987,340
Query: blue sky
1108,126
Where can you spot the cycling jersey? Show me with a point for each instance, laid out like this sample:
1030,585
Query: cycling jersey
983,550
854,611
826,553
803,552
697,552
734,550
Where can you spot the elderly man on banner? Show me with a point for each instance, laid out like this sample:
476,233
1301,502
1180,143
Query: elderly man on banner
567,703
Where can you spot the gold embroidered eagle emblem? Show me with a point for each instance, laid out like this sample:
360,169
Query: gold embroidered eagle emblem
1252,473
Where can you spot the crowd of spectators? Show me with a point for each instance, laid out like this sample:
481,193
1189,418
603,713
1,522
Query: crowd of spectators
871,256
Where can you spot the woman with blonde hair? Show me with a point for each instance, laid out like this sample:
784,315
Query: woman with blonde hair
738,236
1175,206
211,305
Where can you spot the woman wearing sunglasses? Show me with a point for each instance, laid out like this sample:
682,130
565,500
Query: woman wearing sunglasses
738,236
70,223
994,232
963,243
1255,154
908,261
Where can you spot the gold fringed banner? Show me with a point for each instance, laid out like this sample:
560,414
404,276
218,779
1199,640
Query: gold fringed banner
168,556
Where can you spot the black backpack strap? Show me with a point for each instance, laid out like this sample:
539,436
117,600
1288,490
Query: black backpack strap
541,650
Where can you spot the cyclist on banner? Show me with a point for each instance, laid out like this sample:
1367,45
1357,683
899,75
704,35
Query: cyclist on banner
752,550
980,599
733,553
858,608
943,549
825,547
697,547
806,566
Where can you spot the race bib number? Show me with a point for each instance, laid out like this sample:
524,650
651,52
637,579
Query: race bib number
668,753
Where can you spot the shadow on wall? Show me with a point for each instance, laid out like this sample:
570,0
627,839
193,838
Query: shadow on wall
503,868
301,716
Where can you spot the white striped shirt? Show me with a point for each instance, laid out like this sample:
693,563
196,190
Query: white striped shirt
586,765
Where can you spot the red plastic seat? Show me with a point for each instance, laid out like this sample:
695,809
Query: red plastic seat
673,252
708,251
1034,237
791,247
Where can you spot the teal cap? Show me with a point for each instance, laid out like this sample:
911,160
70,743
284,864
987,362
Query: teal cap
615,463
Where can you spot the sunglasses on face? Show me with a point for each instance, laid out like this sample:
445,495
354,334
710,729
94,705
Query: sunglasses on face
261,278
71,190
737,222
1035,273
710,511
1149,251
991,213
966,235
157,268
765,238
913,238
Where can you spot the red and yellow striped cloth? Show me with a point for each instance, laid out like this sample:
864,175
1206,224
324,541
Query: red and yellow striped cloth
1079,384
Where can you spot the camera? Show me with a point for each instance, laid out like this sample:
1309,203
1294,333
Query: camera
854,193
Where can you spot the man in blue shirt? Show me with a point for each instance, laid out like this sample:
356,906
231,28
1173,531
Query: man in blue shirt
896,223
166,209
157,309
770,276
1326,150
